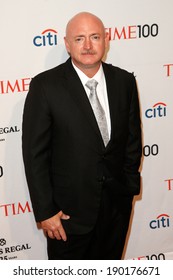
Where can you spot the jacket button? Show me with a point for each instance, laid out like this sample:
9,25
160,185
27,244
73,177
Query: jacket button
102,179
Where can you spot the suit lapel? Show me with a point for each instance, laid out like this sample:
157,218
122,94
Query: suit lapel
112,90
77,92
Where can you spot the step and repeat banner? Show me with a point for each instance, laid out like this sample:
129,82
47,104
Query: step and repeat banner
141,41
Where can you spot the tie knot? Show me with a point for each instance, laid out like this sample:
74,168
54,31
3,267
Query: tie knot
92,84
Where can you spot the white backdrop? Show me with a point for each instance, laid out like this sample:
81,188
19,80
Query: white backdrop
141,41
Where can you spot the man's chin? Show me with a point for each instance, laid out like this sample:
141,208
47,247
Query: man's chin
89,64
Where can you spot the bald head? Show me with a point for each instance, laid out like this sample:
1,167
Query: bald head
81,18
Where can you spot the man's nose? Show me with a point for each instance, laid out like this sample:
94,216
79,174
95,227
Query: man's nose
87,44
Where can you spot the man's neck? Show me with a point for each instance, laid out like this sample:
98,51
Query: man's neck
89,71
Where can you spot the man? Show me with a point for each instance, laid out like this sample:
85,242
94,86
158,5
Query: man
81,185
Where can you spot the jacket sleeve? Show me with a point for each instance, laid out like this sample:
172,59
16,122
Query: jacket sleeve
36,139
133,146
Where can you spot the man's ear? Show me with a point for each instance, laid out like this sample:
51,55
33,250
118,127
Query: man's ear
66,44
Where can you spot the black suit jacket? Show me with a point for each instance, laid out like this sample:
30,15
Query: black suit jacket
66,162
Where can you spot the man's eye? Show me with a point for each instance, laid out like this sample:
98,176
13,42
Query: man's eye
79,39
95,37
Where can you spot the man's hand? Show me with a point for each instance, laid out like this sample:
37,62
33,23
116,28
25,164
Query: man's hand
53,226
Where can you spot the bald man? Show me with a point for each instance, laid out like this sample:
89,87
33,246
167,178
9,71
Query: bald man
81,188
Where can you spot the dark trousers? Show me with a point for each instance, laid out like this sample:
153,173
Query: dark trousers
104,242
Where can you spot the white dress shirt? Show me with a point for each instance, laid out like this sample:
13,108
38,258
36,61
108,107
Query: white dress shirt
101,90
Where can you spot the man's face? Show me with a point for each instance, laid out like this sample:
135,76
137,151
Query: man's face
86,42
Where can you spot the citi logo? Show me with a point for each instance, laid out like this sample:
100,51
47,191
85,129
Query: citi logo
47,38
162,221
158,110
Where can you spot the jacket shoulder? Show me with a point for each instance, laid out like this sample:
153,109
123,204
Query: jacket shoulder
51,73
108,67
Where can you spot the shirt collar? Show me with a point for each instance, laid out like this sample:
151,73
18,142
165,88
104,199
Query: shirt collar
98,76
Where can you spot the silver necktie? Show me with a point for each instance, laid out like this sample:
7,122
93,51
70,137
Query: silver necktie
98,110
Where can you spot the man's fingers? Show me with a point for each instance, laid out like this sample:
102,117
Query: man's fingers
56,234
53,226
50,234
61,230
63,234
65,217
